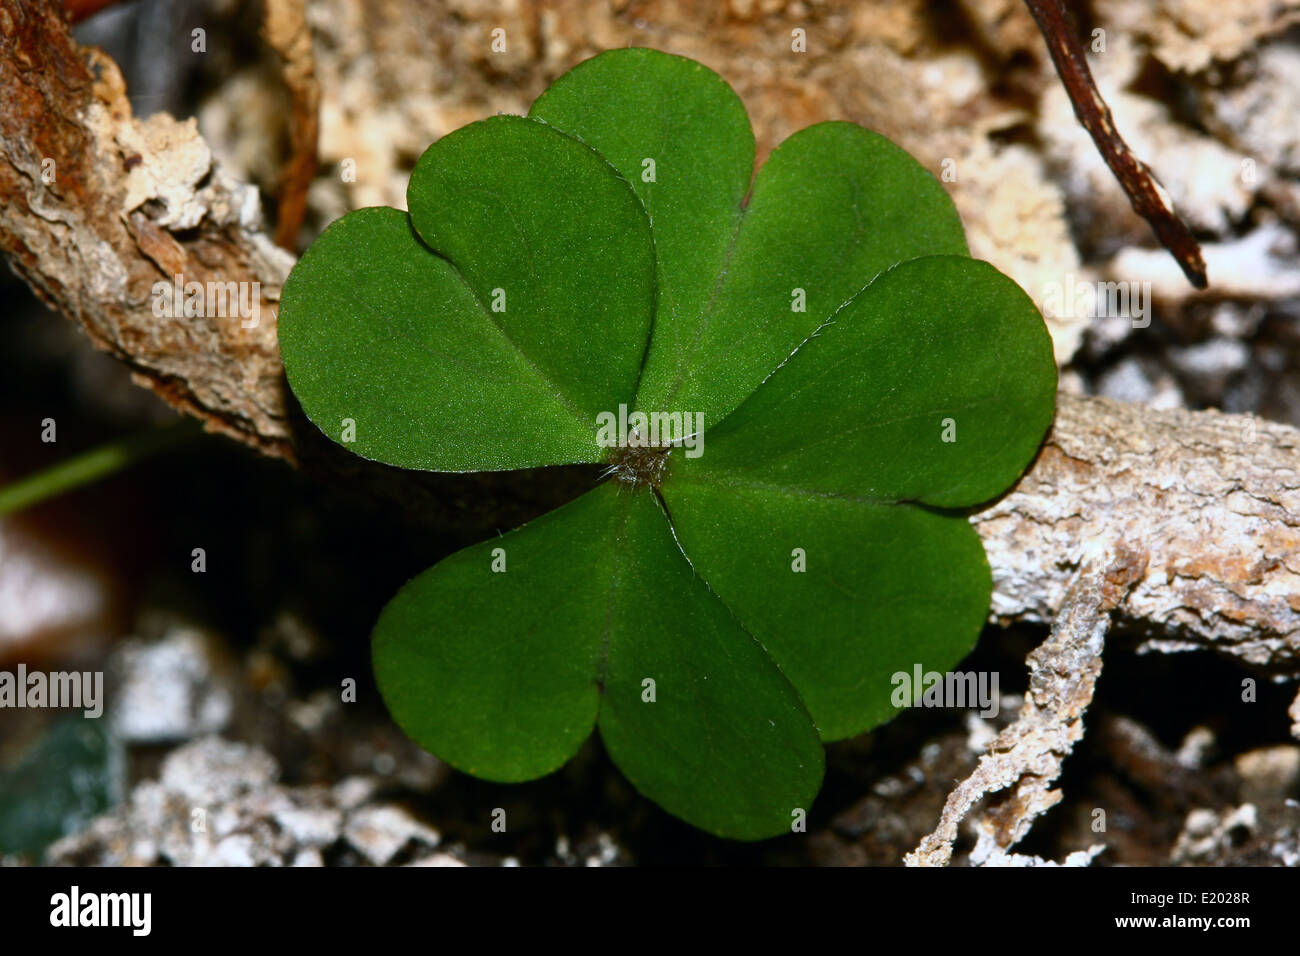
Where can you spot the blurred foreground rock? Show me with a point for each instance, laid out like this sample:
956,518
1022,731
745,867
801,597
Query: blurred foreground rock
217,803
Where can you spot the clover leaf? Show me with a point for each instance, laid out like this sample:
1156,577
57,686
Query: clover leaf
805,376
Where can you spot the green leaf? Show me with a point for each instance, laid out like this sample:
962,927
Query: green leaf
377,329
843,593
856,371
727,745
935,384
834,205
481,674
518,207
495,670
679,134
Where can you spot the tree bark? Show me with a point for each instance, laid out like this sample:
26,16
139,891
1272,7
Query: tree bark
1207,503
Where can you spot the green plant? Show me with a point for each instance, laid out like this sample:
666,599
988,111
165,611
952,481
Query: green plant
717,615
99,462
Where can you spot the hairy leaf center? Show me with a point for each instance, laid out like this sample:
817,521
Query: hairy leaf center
639,465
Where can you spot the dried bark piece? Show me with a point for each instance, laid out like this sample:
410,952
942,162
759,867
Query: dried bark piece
1028,755
1209,503
97,206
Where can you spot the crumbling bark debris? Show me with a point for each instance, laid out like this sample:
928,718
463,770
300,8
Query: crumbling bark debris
1209,503
97,206
1028,755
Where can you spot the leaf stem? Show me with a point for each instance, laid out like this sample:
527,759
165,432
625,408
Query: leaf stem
92,465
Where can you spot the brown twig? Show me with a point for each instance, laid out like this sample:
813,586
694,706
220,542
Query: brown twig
79,10
1149,199
286,31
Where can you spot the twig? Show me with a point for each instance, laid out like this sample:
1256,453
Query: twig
1028,755
79,10
97,207
1149,199
285,29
